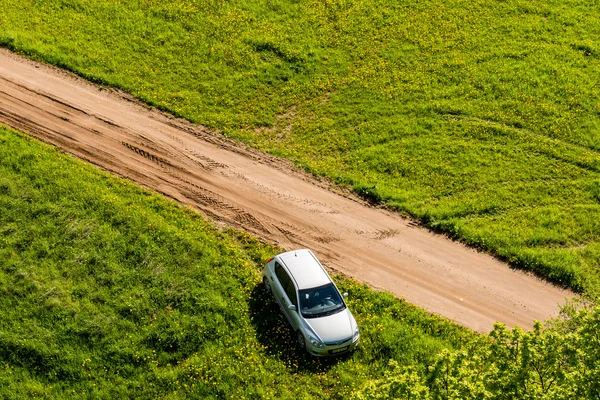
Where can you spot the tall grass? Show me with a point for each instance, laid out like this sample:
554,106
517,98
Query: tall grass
111,291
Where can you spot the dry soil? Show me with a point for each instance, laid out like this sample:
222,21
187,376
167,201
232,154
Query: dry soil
268,198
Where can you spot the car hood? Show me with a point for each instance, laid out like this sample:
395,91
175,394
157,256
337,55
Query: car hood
332,328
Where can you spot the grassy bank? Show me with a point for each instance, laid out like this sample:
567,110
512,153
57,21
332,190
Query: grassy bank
110,291
478,118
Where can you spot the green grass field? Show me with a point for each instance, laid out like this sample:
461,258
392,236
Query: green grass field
110,291
479,118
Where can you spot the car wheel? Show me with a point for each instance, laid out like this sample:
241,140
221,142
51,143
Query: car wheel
300,340
266,285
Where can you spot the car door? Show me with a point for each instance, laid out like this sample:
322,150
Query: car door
287,295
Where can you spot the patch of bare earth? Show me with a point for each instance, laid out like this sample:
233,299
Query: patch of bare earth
268,198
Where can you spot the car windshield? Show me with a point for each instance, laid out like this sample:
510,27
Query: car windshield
320,301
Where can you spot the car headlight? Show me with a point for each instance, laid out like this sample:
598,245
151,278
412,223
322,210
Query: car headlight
316,343
355,336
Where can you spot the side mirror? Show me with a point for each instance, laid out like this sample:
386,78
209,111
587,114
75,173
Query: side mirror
345,294
292,307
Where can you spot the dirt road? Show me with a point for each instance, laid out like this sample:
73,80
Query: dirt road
268,198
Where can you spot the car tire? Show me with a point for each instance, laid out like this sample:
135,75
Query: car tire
266,285
300,340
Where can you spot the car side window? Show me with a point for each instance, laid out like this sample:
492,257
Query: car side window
286,282
282,276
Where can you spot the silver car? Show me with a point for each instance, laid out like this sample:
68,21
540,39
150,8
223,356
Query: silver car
311,302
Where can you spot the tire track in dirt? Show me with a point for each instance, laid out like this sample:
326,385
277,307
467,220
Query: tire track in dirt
269,198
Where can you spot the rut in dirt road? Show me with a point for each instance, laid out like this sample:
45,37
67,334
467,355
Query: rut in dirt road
268,198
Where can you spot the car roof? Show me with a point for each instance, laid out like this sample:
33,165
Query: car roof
305,268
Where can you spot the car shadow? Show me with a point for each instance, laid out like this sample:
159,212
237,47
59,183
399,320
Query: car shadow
275,334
